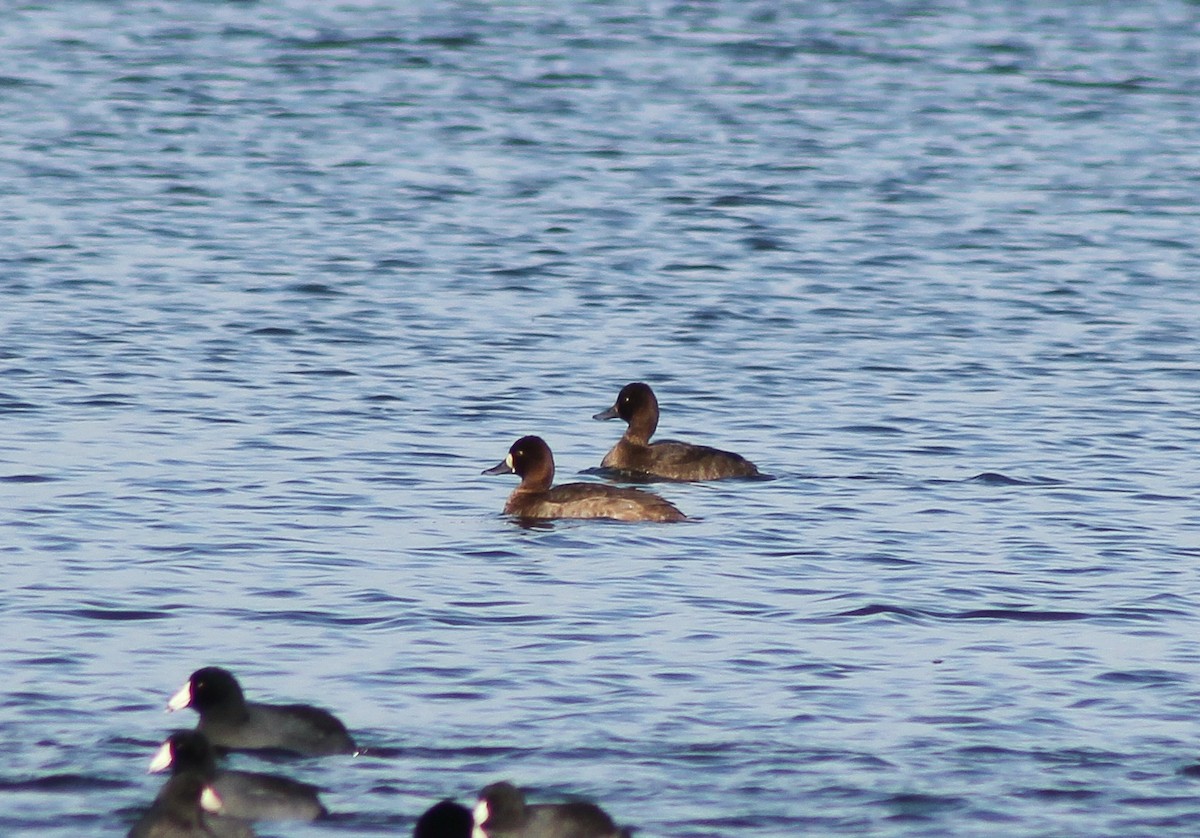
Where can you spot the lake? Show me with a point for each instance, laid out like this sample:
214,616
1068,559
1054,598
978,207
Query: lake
280,279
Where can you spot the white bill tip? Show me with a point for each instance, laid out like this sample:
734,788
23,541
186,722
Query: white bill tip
210,802
162,759
181,699
480,816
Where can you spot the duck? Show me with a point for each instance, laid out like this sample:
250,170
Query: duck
668,459
531,460
245,794
234,724
503,813
188,807
445,819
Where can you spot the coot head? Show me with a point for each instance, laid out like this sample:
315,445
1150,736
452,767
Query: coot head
208,688
446,819
185,750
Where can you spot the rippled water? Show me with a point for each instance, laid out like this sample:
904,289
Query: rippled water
280,279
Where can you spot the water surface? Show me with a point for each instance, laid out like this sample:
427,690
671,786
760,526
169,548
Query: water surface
280,280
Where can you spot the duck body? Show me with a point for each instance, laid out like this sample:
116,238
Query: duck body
591,500
637,405
536,498
673,460
232,723
503,813
247,795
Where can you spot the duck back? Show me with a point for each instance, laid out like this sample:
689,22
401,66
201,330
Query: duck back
674,460
592,500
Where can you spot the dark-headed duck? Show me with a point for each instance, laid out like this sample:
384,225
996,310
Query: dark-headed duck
232,723
530,459
244,794
503,813
670,459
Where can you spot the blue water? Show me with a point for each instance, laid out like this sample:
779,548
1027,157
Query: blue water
281,278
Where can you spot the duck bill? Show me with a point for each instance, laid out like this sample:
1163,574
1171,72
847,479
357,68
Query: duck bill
611,413
181,699
162,760
499,468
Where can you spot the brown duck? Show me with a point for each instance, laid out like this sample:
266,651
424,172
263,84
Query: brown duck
530,459
669,459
